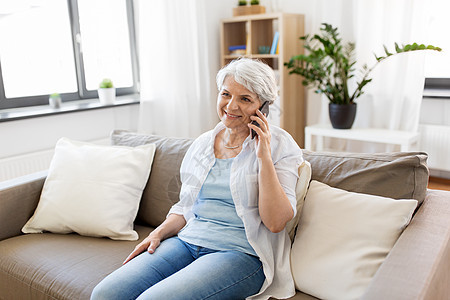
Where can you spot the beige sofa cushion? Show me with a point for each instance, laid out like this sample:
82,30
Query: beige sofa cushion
342,239
304,176
402,175
59,266
163,187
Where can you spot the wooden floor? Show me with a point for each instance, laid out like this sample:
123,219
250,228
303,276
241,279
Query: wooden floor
439,183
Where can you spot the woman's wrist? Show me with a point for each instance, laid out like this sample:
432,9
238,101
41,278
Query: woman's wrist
265,159
170,227
156,234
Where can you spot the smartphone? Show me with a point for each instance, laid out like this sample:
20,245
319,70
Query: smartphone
265,110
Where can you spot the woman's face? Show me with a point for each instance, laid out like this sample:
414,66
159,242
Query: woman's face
235,104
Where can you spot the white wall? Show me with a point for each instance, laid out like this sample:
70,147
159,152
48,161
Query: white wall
36,134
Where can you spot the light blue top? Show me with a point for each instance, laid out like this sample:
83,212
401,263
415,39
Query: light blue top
216,224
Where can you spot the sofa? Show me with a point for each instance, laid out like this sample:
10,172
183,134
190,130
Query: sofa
69,266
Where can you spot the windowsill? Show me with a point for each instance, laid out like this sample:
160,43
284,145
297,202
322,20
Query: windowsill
436,93
66,107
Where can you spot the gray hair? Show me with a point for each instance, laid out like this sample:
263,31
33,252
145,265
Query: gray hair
254,75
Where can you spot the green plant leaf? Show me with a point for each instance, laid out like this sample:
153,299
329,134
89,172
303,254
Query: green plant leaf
106,84
386,51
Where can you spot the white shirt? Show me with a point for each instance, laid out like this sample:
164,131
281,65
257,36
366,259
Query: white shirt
272,248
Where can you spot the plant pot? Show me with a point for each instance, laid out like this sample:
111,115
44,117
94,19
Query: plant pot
54,102
342,116
248,10
107,96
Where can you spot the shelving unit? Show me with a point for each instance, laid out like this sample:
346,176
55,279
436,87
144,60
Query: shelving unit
258,30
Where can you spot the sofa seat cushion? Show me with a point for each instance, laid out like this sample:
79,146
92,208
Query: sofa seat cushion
56,266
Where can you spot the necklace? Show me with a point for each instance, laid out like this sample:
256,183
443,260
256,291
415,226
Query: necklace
231,147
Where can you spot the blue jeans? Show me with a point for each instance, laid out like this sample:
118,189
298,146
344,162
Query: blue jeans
179,270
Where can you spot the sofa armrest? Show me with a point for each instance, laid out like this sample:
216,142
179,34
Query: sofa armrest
418,266
18,200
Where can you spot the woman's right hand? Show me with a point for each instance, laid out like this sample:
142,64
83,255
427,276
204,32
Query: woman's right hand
168,228
150,244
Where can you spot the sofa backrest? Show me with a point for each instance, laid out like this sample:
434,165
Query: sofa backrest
397,175
400,175
163,187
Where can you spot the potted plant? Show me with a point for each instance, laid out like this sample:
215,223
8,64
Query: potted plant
106,92
330,64
54,100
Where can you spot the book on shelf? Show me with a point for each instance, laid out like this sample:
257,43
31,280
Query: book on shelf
237,49
276,37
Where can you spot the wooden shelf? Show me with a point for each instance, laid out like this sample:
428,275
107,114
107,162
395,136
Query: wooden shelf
259,30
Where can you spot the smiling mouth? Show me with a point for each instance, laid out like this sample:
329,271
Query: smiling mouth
231,116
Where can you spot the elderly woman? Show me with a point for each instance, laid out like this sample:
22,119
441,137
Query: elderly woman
226,237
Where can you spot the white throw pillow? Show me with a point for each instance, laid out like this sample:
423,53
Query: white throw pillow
93,190
342,239
304,176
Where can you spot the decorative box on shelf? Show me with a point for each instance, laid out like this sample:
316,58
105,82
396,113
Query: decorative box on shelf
248,10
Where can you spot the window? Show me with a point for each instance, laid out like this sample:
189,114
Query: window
66,47
437,67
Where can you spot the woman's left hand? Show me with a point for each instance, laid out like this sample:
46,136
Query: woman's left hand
263,134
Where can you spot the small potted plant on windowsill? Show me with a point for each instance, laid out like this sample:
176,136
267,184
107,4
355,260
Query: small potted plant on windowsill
329,65
106,92
54,100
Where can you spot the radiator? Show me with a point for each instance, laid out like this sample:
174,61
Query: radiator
21,165
435,140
